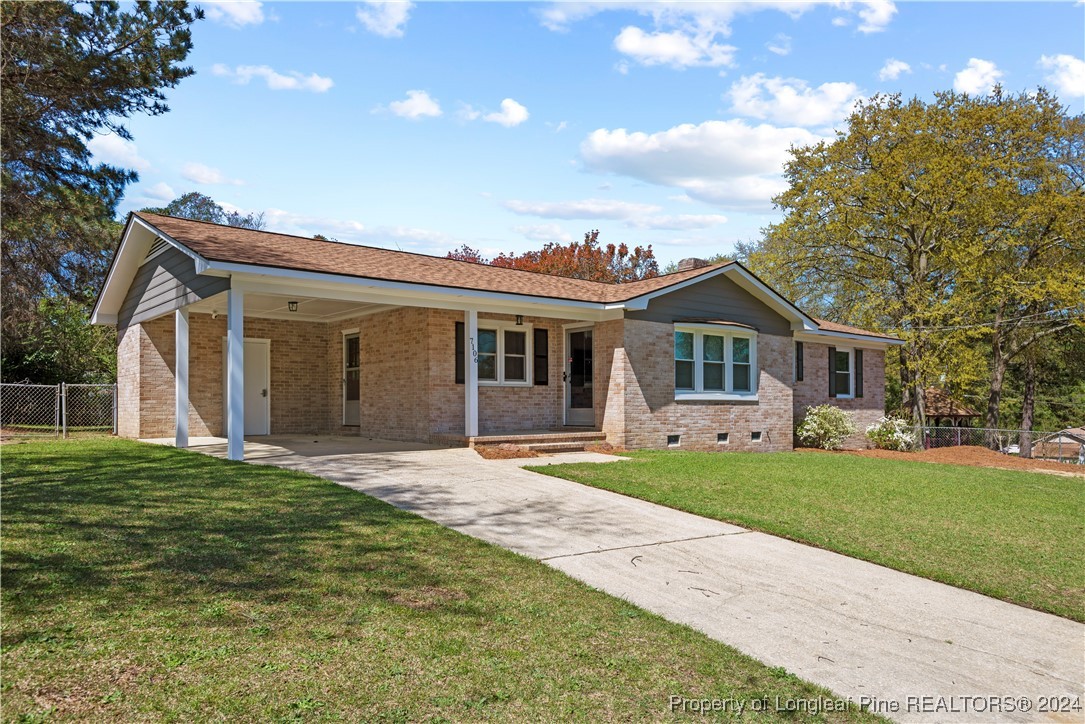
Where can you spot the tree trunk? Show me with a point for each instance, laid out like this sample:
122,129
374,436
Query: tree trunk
1028,406
998,374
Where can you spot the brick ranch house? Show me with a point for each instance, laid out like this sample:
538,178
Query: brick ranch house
233,332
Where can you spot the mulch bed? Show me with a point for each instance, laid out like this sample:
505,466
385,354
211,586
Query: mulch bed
972,455
504,451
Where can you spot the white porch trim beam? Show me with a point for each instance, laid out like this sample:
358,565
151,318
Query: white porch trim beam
470,368
180,377
235,374
328,286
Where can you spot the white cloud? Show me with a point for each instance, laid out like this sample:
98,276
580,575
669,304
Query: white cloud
558,127
544,233
715,18
728,163
893,69
418,104
161,191
234,13
117,151
677,49
204,174
874,15
292,80
387,18
586,209
1067,74
511,114
781,44
978,77
792,101
678,222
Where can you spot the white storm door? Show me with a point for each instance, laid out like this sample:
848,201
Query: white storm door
352,379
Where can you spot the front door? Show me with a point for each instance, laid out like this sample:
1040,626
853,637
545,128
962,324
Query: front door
352,379
579,401
257,386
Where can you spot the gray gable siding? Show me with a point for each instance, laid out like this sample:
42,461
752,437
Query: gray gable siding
165,283
715,298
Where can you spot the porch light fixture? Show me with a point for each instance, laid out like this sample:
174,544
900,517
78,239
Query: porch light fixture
292,306
519,320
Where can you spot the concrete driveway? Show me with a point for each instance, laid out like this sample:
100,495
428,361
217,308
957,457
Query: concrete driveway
934,652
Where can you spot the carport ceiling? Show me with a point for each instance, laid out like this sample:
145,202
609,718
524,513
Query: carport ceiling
277,306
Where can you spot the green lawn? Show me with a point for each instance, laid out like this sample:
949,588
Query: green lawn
142,582
1012,535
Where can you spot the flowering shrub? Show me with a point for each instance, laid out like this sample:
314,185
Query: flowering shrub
826,427
892,433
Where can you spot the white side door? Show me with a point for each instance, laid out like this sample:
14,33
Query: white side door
257,386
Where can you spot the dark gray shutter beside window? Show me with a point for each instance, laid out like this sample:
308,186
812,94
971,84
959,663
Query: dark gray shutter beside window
798,362
858,373
832,372
461,353
541,371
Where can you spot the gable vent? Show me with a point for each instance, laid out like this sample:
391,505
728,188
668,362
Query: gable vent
159,246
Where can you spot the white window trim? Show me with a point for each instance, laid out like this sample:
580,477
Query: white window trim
729,333
851,375
500,327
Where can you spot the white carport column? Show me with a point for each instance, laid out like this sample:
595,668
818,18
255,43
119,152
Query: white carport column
180,377
235,374
470,376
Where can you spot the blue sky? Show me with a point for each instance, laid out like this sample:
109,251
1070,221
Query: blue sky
505,125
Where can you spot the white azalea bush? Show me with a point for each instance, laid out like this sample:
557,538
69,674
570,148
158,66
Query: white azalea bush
892,433
826,427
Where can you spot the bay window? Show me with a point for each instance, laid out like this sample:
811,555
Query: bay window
715,362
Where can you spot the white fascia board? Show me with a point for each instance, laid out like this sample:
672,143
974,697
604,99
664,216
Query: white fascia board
824,336
273,280
172,242
136,240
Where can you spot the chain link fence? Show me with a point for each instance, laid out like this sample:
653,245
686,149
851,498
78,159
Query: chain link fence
1059,446
57,410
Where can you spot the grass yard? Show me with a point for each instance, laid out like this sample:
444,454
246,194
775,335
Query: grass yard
143,582
1012,535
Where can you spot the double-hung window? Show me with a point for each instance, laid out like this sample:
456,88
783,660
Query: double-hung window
715,362
845,372
503,354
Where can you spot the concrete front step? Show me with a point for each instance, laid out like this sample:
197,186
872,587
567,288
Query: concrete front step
557,447
533,439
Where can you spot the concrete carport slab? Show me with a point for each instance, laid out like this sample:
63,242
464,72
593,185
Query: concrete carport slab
922,651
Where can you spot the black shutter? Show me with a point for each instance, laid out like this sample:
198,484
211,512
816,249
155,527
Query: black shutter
461,353
798,362
542,357
858,373
832,372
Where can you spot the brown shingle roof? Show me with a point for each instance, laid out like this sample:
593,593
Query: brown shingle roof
837,327
230,244
938,403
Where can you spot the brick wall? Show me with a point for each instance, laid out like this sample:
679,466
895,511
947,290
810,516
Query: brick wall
814,389
128,381
408,389
145,370
394,366
643,375
500,408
